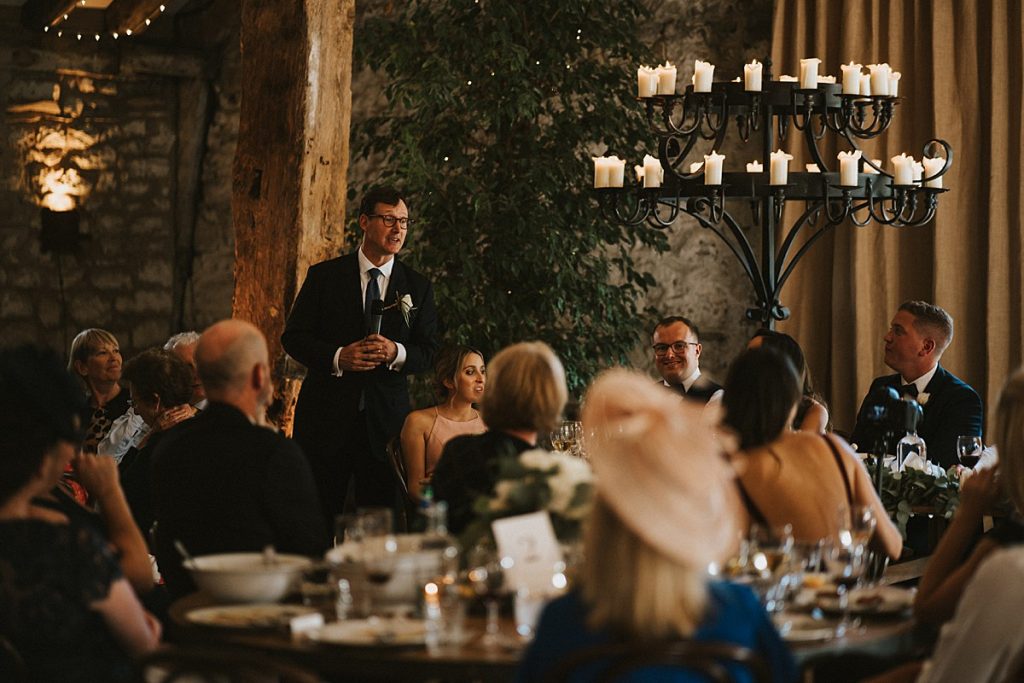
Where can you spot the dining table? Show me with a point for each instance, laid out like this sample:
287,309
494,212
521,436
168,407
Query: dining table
885,637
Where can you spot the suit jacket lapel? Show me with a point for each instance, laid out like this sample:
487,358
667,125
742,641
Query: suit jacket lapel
348,286
397,288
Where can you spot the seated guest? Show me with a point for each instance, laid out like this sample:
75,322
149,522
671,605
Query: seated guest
983,641
159,382
787,477
459,378
129,429
918,335
525,396
677,348
652,533
221,482
96,358
812,414
64,604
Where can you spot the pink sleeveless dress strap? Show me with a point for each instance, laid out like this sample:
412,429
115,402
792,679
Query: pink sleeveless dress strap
444,430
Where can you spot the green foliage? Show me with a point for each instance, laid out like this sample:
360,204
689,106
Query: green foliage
494,110
916,492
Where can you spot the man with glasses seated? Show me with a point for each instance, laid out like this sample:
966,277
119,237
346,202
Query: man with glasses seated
677,351
355,396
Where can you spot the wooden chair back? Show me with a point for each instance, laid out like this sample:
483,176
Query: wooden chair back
173,664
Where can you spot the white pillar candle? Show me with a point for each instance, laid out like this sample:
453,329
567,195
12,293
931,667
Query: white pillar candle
848,168
865,84
755,167
894,83
616,172
703,76
917,171
851,78
651,174
809,73
903,170
931,167
666,79
646,82
601,169
713,168
780,167
696,166
880,74
752,76
871,169
812,168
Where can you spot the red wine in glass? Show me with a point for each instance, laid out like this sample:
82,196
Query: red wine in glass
969,460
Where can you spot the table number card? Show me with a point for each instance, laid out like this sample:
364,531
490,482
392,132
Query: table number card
530,541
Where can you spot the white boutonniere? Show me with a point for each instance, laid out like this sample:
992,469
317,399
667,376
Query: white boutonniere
403,302
922,398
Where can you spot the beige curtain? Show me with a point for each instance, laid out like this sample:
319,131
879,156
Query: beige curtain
962,67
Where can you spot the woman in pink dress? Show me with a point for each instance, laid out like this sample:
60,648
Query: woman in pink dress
459,379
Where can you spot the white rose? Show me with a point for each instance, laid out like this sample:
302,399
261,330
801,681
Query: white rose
538,459
501,492
571,473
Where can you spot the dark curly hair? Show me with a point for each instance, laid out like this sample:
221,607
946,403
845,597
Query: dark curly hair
156,372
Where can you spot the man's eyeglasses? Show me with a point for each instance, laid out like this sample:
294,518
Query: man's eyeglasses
390,221
678,348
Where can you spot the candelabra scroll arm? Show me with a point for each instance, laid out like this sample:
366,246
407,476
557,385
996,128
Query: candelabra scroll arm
854,210
655,220
812,147
672,159
803,117
716,116
610,202
668,106
804,248
740,248
787,243
864,157
947,154
782,128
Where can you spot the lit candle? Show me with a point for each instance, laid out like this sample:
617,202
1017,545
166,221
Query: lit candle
903,170
812,168
865,85
703,76
880,74
851,78
931,167
755,167
651,174
696,166
780,167
894,83
713,168
646,82
752,76
871,169
848,162
666,79
809,73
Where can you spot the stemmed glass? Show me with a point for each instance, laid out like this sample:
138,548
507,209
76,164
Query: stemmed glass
857,524
845,564
566,435
770,554
380,556
487,573
968,450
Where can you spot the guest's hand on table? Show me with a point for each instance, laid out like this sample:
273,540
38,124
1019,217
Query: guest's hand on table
979,491
363,355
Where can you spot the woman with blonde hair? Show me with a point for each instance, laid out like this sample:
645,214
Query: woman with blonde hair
459,379
95,359
663,514
525,396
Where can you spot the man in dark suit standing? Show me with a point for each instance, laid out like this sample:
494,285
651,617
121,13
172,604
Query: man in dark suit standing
221,481
918,335
355,396
677,349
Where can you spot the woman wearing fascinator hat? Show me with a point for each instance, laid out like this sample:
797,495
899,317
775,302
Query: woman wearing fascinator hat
664,511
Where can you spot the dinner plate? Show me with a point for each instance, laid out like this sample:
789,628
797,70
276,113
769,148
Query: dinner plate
247,616
800,628
880,600
373,632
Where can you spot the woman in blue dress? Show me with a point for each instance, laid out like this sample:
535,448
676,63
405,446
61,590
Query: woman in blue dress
664,511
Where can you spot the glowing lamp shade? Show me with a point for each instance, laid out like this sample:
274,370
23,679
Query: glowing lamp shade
59,202
60,187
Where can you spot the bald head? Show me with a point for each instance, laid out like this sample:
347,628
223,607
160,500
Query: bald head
232,361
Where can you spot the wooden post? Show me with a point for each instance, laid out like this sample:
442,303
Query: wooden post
291,161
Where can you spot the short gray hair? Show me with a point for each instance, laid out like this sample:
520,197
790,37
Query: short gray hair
190,338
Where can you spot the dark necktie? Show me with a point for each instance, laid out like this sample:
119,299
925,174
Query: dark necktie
909,390
372,293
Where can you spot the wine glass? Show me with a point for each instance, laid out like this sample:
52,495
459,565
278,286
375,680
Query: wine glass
845,565
380,557
857,524
487,574
565,435
770,555
968,450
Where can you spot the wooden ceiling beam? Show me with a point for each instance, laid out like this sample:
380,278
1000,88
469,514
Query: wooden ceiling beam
38,14
130,15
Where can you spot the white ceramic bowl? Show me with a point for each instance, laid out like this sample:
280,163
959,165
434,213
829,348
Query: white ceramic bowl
245,577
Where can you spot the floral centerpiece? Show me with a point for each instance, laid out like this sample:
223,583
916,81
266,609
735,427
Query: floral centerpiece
920,487
536,480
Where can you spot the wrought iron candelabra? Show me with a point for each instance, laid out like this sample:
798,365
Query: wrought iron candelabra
780,109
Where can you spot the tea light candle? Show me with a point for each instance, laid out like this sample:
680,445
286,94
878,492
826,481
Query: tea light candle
851,78
666,79
880,74
871,169
752,76
918,171
780,167
848,162
826,79
651,173
713,168
931,167
812,168
703,76
755,167
646,82
696,166
865,85
788,79
903,170
894,83
809,73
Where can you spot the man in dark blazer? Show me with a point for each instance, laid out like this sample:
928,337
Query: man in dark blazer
355,396
223,483
677,349
918,335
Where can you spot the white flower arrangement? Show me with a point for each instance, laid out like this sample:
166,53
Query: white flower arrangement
403,302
